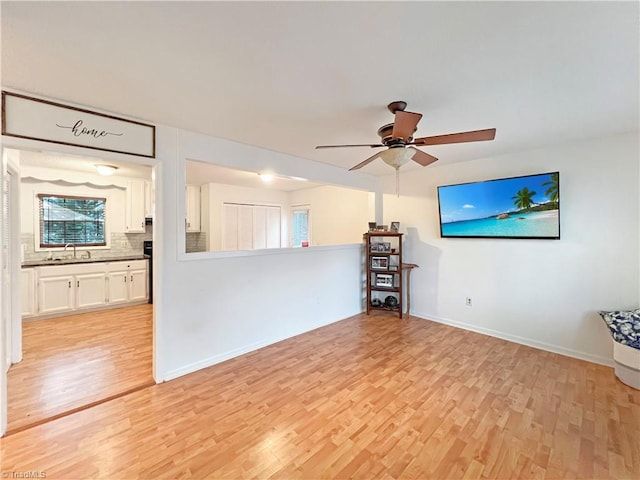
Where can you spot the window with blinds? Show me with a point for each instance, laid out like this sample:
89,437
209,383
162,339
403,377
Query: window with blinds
66,219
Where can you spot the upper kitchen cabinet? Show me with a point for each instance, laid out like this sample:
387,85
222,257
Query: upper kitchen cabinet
135,206
193,208
149,199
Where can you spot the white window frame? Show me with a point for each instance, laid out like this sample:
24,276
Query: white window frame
299,208
58,191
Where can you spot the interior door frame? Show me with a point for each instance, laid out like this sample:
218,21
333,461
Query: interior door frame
15,259
10,311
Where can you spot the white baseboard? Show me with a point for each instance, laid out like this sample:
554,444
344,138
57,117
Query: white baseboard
208,362
520,340
215,359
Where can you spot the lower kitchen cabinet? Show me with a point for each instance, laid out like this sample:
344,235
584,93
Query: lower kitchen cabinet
71,287
118,287
91,289
138,289
28,291
55,294
53,290
127,281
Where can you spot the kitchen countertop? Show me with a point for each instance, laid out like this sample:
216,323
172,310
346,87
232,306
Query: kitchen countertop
73,261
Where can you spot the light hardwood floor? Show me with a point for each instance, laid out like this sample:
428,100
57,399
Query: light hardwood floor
367,397
74,361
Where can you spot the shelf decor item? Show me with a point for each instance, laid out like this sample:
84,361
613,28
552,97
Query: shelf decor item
384,285
384,280
395,226
379,263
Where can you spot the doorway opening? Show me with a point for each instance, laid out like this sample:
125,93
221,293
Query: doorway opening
86,321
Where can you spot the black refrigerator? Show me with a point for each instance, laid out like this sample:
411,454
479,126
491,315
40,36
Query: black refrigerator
147,249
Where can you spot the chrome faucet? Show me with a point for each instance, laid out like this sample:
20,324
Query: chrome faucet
71,245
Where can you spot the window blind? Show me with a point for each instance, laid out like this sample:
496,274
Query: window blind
71,219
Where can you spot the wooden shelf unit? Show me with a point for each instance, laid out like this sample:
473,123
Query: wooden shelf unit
383,256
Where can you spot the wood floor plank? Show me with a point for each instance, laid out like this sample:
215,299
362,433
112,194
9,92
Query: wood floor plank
78,360
367,397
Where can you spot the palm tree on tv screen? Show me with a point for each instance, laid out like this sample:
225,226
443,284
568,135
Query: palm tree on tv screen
523,199
552,191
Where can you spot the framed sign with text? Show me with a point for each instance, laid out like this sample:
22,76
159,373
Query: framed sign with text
37,119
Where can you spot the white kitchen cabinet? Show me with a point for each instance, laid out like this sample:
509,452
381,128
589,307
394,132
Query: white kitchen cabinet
28,291
55,294
192,193
127,281
118,291
70,287
91,290
135,206
138,285
149,199
67,288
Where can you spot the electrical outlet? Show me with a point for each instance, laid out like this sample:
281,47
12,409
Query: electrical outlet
467,301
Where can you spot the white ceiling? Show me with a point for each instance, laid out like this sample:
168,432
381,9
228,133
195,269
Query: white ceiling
199,173
82,164
288,76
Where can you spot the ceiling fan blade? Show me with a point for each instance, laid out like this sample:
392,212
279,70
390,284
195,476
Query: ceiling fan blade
405,124
422,158
366,162
372,145
474,136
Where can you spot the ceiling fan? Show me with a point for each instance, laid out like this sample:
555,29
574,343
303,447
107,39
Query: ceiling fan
398,138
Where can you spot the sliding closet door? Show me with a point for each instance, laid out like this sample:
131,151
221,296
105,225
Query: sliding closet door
250,227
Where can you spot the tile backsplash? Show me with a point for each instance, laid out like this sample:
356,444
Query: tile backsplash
122,245
196,242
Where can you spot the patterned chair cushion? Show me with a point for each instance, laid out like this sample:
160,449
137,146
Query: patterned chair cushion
624,326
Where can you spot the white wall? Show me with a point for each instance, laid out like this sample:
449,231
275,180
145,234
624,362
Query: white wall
545,293
219,308
338,215
214,306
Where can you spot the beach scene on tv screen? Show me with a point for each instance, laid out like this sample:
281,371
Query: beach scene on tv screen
510,207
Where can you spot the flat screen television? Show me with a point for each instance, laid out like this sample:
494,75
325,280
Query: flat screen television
516,207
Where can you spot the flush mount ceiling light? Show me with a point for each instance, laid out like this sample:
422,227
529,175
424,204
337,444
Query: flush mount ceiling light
270,177
106,169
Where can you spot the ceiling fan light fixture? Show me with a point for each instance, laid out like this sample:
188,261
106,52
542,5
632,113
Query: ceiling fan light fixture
396,156
106,169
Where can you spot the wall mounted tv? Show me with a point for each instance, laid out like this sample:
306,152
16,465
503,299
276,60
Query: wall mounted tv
516,207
